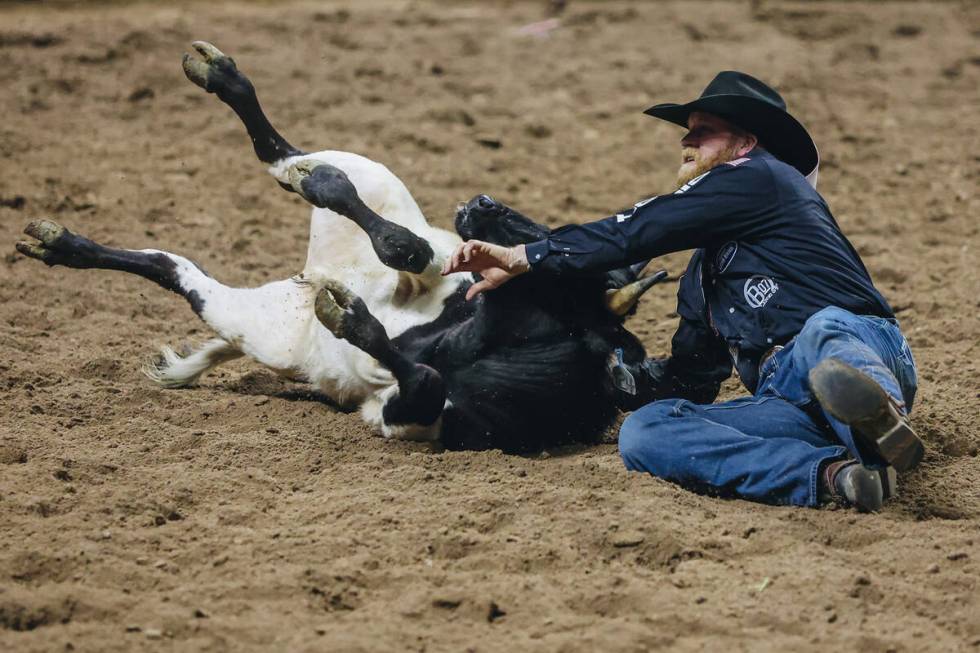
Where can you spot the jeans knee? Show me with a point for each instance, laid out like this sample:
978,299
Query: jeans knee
825,323
639,432
827,319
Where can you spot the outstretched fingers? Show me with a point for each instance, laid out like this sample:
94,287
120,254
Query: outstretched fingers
477,255
471,256
479,287
495,263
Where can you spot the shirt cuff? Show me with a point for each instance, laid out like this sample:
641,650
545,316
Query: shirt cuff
536,252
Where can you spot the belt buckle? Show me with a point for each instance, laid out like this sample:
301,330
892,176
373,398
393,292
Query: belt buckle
766,356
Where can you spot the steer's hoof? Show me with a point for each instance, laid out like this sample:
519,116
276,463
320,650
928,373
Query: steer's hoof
47,231
207,50
348,318
32,251
324,186
300,171
51,234
335,306
217,72
196,70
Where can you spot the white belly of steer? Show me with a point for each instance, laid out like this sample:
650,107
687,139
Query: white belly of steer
340,250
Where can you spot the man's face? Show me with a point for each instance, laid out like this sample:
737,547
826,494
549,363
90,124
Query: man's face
709,142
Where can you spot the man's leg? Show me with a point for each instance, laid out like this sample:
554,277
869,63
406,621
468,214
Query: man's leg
760,448
864,379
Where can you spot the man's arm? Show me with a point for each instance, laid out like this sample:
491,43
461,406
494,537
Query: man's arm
728,202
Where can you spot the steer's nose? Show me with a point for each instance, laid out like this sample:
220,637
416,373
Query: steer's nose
485,202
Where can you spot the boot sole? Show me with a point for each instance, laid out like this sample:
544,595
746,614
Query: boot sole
855,399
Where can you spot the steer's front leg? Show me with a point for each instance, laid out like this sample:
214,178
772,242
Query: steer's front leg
327,186
421,392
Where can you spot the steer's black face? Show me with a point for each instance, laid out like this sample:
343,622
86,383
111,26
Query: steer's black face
483,218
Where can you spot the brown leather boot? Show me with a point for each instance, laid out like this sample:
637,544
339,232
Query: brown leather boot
874,417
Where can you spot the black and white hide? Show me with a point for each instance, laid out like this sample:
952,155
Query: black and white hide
370,321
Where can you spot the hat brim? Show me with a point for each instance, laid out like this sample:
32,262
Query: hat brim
779,132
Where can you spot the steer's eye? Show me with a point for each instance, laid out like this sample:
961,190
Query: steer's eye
485,202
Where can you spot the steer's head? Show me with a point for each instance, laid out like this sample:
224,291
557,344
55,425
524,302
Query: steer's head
483,218
555,302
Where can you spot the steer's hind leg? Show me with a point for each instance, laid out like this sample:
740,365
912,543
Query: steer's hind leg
413,411
59,246
327,186
269,323
218,74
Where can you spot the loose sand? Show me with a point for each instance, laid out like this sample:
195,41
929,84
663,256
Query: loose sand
246,514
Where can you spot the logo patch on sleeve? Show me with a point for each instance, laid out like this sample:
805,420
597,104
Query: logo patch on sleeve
725,256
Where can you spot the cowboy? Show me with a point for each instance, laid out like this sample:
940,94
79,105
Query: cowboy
773,289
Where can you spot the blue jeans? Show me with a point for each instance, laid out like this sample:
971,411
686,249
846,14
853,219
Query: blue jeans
769,447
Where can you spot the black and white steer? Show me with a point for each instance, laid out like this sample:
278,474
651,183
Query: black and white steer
371,321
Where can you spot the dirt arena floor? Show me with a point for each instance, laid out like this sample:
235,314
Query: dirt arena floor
246,514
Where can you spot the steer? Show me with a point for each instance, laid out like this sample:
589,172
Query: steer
371,322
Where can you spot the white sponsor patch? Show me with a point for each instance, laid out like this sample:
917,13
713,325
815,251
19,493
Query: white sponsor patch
686,187
626,215
644,202
759,290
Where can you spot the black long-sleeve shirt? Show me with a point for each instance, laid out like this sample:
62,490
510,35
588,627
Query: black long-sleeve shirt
769,255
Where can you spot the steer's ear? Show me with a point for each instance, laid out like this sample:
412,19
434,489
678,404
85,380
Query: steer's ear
621,301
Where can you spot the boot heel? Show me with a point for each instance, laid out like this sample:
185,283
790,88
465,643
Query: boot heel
889,482
858,401
901,447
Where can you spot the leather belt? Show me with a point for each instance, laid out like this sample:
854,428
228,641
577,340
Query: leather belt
766,356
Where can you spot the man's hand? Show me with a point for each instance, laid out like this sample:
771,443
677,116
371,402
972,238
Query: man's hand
496,264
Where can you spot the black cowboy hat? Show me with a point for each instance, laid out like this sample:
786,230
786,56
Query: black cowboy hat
750,104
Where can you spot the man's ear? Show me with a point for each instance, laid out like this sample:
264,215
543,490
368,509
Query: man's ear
749,141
